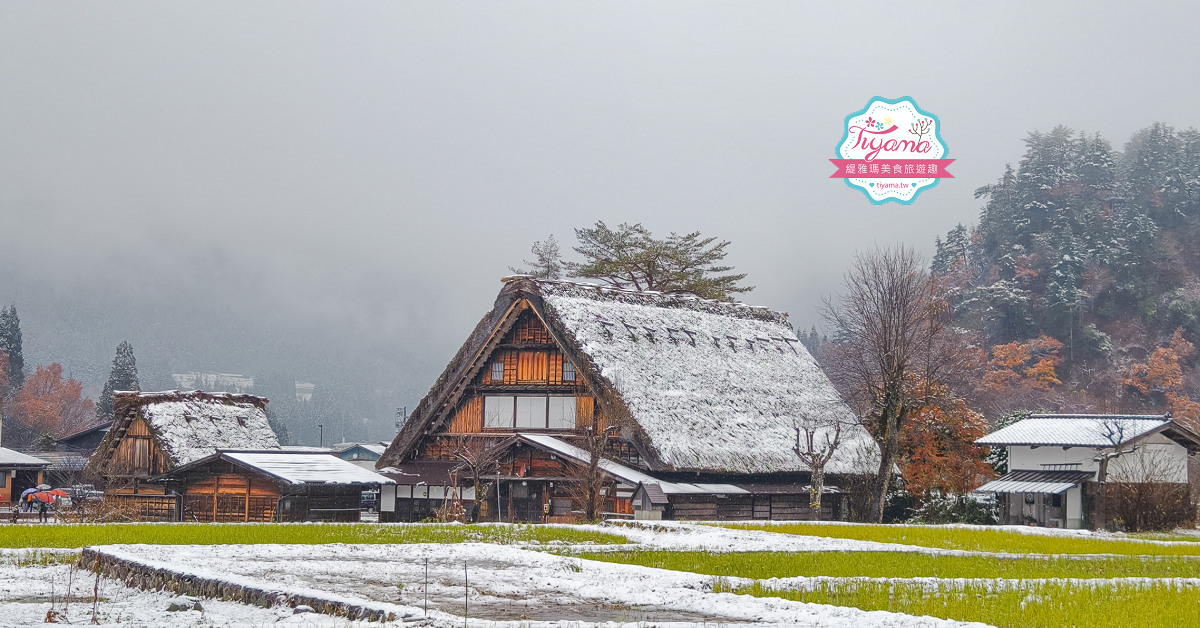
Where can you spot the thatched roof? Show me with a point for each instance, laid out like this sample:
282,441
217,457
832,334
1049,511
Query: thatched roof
191,425
711,386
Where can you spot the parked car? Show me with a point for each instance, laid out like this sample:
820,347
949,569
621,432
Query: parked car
83,492
370,501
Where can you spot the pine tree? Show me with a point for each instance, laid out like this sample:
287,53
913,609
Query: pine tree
123,376
10,343
630,257
548,263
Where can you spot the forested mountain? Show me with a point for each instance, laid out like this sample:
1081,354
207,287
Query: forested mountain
1083,275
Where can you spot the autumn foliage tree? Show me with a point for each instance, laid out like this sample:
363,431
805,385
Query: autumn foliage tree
52,406
940,454
1161,379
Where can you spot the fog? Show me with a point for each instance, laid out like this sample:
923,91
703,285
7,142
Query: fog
333,190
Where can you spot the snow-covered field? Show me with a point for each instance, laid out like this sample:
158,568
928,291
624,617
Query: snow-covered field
471,584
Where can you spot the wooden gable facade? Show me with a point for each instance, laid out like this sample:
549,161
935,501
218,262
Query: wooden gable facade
521,382
526,370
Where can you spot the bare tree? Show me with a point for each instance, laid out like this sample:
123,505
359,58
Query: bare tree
1114,430
1150,491
889,341
480,456
592,485
817,440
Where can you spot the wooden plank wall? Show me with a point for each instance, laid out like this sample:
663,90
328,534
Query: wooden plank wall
230,497
144,507
137,454
746,507
468,417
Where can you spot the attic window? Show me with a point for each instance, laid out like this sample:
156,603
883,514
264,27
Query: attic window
242,421
568,371
497,371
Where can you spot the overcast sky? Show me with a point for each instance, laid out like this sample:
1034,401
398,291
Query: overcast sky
371,169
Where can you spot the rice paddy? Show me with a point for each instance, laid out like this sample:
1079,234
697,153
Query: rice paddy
986,539
765,565
83,535
1037,604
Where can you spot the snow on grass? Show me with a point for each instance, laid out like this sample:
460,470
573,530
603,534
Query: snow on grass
1005,539
81,535
505,585
1027,604
30,592
766,565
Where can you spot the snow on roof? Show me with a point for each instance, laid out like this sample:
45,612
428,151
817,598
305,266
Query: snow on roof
10,458
375,448
195,424
1077,430
713,385
1053,482
302,468
633,477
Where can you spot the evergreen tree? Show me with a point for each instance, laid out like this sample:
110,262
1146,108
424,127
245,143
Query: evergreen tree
10,343
630,257
123,376
548,262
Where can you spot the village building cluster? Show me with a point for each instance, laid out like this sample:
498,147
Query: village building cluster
572,401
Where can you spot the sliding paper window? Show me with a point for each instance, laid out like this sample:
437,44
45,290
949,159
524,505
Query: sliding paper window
498,411
562,413
529,412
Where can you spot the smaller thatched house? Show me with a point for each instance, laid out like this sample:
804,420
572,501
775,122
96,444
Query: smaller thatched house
153,433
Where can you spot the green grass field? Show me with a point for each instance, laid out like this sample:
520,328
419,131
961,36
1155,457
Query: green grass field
982,540
82,535
764,565
1034,605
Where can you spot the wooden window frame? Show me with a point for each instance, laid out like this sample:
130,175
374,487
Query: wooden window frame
567,364
497,369
545,398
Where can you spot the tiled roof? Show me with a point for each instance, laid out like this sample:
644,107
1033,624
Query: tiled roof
1077,430
1053,482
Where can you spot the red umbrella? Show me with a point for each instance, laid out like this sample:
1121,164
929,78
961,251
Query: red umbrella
43,496
58,492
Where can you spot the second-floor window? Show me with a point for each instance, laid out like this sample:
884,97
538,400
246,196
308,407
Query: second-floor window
568,371
497,371
529,412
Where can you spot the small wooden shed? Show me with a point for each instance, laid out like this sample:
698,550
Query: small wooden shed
271,486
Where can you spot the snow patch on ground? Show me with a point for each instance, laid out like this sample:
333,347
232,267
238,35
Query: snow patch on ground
501,585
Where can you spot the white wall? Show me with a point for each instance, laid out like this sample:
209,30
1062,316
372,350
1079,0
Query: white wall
1158,459
1032,459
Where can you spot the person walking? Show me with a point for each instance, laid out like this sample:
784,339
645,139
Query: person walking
43,511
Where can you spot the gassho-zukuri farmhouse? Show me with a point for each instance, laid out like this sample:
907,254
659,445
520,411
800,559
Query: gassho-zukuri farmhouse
697,400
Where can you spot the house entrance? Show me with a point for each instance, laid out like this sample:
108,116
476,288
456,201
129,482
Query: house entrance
526,500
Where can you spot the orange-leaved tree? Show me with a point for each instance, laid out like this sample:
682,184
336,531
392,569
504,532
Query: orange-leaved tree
1161,377
52,406
940,454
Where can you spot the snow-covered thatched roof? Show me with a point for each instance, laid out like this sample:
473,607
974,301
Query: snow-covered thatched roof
710,386
191,425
